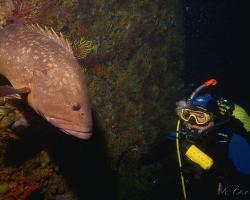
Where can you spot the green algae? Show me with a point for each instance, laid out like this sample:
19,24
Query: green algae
3,188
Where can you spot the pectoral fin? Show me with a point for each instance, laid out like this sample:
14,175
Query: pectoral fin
10,92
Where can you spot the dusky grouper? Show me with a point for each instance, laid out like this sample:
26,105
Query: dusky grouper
41,63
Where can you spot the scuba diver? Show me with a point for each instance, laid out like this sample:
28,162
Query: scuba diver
212,141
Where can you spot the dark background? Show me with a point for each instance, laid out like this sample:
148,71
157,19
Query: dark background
217,46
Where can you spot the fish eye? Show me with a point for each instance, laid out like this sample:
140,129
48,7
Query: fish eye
75,106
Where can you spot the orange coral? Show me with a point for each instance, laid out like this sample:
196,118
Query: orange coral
101,71
19,187
82,31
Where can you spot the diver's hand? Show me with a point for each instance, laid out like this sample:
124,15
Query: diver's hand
225,107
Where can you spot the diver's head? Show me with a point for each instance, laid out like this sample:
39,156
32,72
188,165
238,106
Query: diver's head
199,114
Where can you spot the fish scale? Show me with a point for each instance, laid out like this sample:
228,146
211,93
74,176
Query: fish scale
42,61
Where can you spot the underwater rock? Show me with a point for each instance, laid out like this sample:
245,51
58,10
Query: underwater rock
134,78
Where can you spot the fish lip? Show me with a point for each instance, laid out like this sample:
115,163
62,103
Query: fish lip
69,128
78,134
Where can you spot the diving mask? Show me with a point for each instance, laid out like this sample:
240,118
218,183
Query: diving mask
200,117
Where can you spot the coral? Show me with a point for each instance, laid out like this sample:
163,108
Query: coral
82,48
18,187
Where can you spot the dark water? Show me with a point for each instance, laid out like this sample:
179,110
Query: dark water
217,46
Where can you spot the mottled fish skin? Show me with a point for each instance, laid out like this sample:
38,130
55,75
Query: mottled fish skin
46,65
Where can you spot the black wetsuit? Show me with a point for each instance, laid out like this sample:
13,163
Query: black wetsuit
221,181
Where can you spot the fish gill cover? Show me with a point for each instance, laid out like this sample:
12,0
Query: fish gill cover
134,78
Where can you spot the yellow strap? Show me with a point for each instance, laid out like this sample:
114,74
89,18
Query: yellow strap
179,160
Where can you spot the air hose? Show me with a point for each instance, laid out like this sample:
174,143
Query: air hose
193,153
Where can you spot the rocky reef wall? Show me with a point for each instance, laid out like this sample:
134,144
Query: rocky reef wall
134,75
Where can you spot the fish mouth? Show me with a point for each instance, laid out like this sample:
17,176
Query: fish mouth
70,128
79,134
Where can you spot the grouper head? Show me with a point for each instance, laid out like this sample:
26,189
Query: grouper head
60,95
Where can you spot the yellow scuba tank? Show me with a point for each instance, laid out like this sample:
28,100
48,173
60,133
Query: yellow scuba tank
199,157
